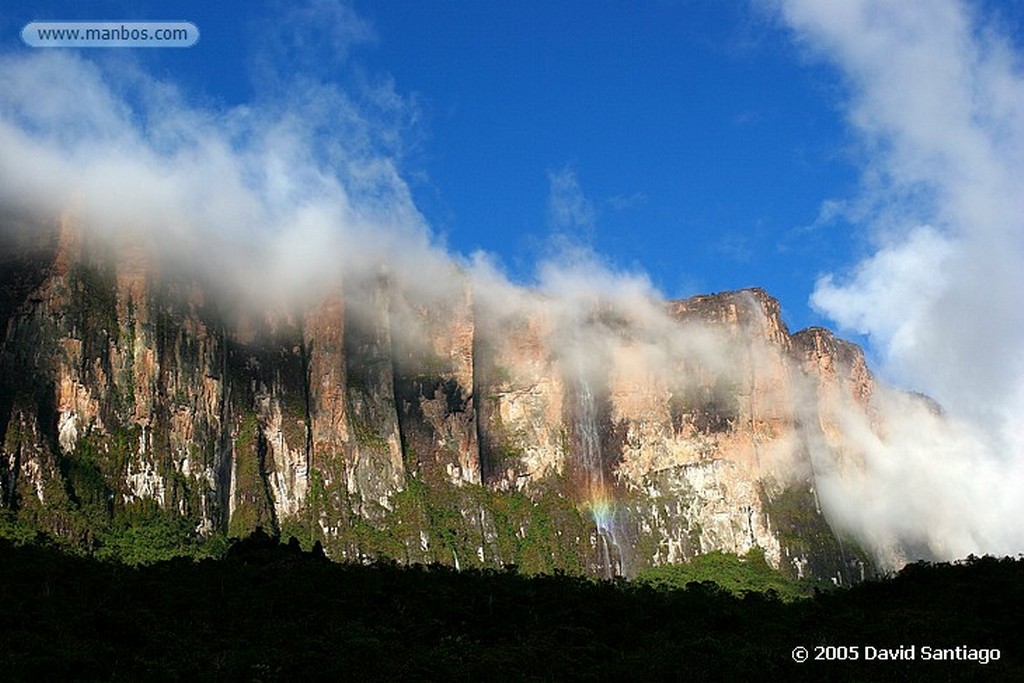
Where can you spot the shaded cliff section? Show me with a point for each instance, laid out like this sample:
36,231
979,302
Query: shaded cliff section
382,427
128,398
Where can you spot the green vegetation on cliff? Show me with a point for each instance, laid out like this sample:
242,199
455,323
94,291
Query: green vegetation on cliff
254,508
85,513
738,575
804,532
445,523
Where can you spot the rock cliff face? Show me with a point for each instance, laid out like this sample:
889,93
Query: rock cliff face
440,431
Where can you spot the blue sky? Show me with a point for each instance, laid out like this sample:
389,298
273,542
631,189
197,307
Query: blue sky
695,141
690,133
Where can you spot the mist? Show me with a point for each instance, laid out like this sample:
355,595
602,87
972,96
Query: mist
934,95
252,198
281,201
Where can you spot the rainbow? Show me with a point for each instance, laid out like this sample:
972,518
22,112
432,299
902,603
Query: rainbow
602,507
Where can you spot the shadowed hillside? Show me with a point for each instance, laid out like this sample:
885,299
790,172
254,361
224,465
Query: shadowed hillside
273,612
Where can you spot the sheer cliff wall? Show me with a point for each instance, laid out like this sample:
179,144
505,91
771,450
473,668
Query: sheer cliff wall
446,430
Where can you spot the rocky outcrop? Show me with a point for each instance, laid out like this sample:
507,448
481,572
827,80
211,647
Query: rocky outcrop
382,423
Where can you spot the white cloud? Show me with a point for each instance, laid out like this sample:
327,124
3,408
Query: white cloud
264,201
937,98
890,291
310,37
568,207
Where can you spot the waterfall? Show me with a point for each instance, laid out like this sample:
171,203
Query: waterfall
598,493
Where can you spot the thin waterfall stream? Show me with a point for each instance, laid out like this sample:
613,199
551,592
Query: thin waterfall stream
599,494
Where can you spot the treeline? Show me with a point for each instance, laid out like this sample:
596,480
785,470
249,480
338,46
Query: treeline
739,575
275,612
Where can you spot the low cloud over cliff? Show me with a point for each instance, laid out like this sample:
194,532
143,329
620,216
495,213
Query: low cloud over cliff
934,92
